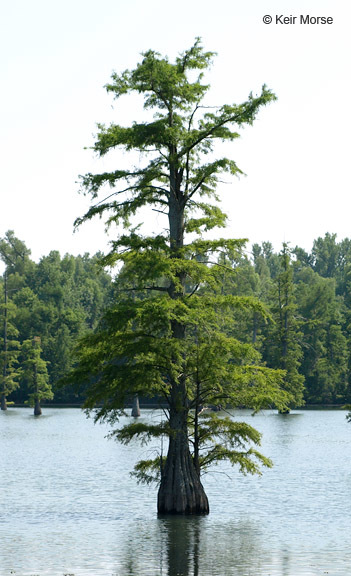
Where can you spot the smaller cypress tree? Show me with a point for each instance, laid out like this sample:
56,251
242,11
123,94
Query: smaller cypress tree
36,374
284,338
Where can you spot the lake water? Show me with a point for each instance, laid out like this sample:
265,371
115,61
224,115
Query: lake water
68,505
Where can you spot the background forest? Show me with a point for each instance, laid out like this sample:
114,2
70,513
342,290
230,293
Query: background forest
307,295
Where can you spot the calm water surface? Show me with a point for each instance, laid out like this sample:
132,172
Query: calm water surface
68,505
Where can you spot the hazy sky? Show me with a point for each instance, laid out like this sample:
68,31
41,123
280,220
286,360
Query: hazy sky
56,57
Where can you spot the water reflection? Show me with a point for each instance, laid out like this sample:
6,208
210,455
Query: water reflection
182,538
194,546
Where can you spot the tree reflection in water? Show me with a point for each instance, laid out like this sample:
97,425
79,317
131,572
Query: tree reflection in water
181,535
193,545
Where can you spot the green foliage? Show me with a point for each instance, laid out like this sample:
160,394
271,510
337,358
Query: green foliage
219,439
223,439
320,315
63,298
135,352
35,371
15,255
282,347
325,346
167,335
175,141
58,299
9,346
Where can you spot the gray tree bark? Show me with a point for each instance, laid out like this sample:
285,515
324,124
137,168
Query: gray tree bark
37,408
181,491
135,407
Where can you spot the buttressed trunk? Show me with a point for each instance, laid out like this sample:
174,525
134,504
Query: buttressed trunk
181,491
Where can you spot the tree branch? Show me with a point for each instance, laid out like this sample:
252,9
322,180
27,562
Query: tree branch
158,288
193,291
208,133
160,211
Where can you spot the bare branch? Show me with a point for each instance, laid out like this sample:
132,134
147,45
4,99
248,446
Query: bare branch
158,288
113,194
193,291
220,265
160,211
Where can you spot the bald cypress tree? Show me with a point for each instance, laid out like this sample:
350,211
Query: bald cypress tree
163,337
283,344
36,374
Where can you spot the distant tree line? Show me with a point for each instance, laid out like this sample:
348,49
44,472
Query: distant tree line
47,306
308,296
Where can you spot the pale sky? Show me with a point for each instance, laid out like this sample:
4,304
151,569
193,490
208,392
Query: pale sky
56,57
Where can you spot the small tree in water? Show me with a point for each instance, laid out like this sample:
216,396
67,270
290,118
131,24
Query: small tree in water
168,341
36,374
283,342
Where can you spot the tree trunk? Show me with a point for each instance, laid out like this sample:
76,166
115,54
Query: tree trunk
181,491
3,402
135,407
4,370
37,408
255,327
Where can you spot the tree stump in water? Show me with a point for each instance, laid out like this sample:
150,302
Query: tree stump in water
37,408
135,407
